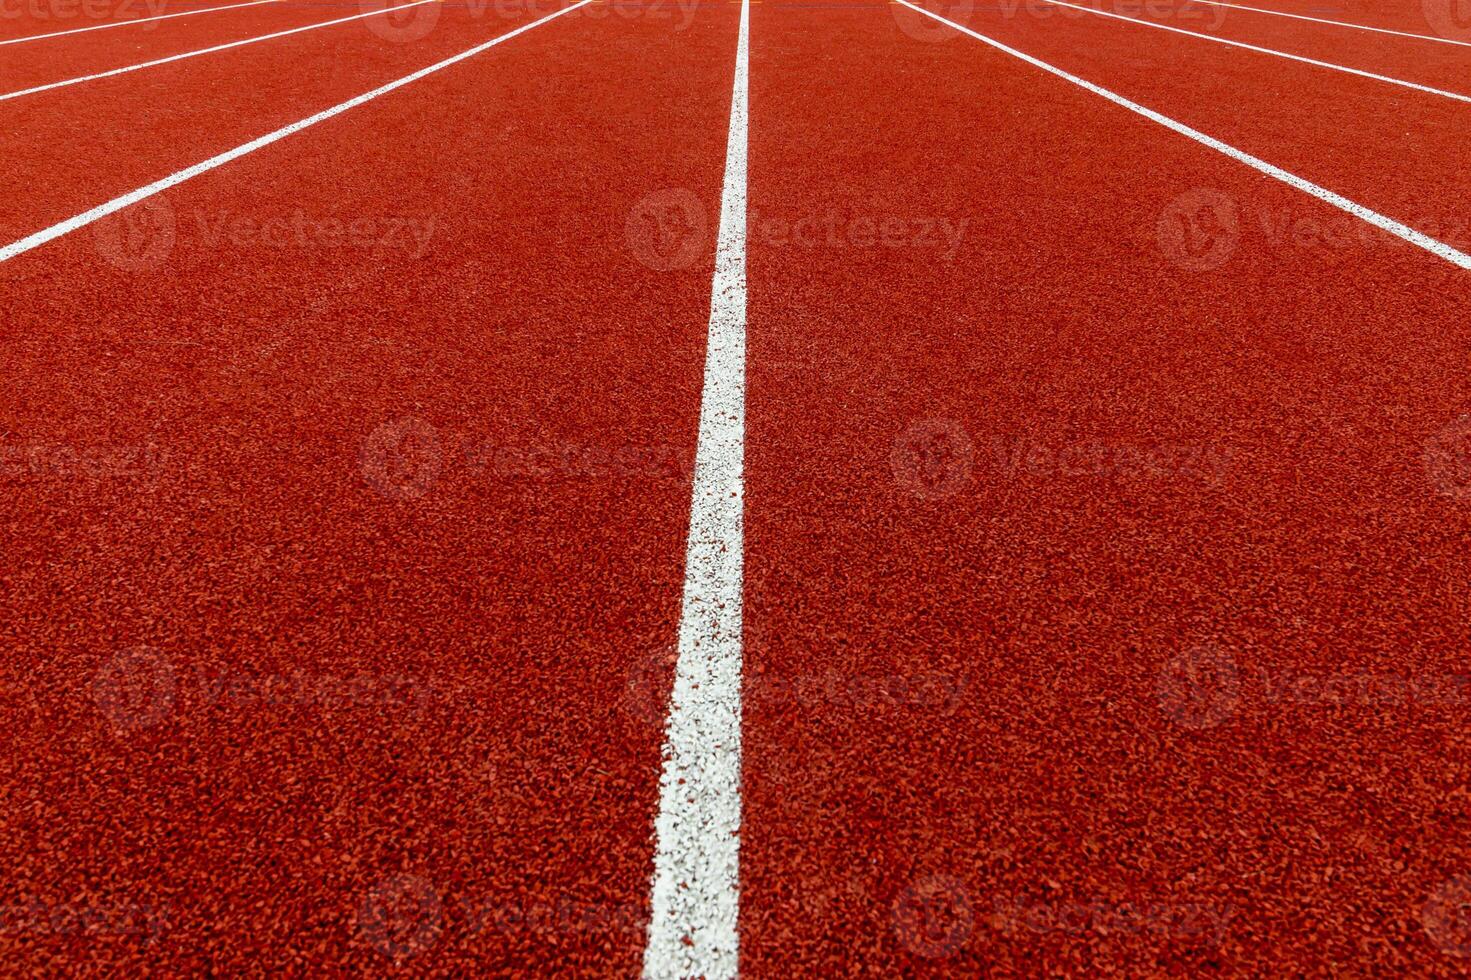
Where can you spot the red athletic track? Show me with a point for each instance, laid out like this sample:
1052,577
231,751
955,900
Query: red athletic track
48,60
154,122
954,668
1019,506
1435,17
1411,59
1397,151
513,596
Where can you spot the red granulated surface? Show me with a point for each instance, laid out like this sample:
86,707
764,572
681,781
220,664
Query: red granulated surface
1106,521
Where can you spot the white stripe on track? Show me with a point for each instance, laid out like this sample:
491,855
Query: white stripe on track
1374,218
194,54
1271,51
133,197
1335,23
693,931
130,23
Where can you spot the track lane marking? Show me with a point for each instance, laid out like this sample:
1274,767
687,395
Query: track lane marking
130,23
1336,23
211,50
24,245
1431,245
1272,51
693,929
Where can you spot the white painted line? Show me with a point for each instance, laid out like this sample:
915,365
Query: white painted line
1336,23
218,47
1323,194
693,931
130,23
1271,51
24,245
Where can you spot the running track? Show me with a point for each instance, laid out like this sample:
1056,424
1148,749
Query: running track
1075,576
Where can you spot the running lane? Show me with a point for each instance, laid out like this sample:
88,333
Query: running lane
1104,564
346,494
1425,62
33,18
1438,18
49,60
1395,150
68,150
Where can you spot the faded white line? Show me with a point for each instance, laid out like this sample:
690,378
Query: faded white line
133,197
1374,218
218,47
1272,51
693,931
1336,23
130,23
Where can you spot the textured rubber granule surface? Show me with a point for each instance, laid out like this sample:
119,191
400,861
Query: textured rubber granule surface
1100,599
72,149
48,60
1394,150
342,559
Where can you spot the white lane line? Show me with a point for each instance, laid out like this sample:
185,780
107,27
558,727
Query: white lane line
1336,23
24,245
130,23
1374,218
693,931
1271,51
194,54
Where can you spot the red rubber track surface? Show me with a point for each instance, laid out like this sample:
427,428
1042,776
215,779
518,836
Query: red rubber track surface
1424,62
73,149
29,18
1435,17
1056,543
1397,151
48,60
342,575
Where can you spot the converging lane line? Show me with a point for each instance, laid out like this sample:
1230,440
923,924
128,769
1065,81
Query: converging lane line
130,23
693,929
1272,51
24,245
1337,23
218,47
1374,218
